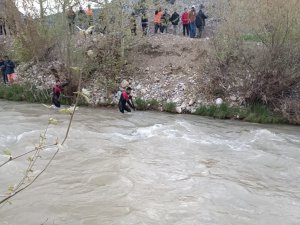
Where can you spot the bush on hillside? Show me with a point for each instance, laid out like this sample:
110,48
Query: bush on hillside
258,54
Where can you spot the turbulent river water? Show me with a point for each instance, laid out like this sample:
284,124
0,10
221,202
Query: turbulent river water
151,168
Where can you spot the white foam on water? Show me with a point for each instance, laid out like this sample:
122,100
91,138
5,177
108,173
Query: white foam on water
264,134
147,132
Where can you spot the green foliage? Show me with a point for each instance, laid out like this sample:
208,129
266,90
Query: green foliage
17,92
151,104
256,113
169,107
250,37
221,112
141,104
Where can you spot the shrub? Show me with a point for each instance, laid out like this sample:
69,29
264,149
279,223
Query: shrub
28,93
140,104
256,113
258,54
153,104
169,107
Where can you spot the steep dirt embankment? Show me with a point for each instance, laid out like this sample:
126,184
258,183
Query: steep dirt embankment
168,68
163,67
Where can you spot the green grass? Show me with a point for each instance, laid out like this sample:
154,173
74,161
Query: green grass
250,37
256,113
169,107
151,104
16,92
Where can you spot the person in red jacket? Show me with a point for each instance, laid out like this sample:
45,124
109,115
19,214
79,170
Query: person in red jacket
185,22
126,98
57,90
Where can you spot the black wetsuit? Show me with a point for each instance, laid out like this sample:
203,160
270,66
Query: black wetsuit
57,89
125,98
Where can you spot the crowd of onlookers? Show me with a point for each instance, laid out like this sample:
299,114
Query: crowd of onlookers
192,22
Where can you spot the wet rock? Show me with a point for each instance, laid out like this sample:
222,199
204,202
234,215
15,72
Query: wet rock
124,84
138,87
192,102
219,101
178,109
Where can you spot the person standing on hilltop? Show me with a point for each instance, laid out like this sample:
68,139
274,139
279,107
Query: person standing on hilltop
89,14
81,18
165,21
144,21
192,18
157,21
175,20
132,21
125,99
71,19
200,21
185,22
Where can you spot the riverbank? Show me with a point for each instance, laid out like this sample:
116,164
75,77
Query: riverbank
255,113
167,73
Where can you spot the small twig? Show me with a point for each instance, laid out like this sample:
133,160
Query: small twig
23,154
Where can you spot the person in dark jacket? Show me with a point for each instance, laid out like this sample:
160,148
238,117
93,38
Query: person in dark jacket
71,19
57,90
9,68
175,20
200,21
125,99
2,70
165,18
133,24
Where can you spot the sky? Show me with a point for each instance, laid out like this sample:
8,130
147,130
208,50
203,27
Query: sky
52,4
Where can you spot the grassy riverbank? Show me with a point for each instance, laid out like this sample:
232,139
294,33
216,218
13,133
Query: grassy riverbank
28,93
255,113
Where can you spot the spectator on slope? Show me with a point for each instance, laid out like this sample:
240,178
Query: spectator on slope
200,21
71,19
89,14
157,20
132,24
175,20
81,18
144,21
192,19
185,22
165,18
103,21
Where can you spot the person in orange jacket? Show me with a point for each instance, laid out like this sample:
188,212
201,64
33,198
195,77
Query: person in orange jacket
157,18
89,14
